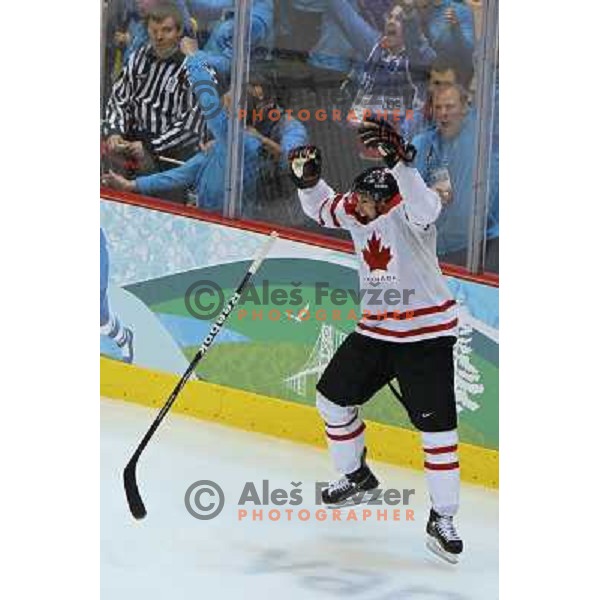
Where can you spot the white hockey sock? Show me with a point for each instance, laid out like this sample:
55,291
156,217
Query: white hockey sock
442,470
345,433
114,330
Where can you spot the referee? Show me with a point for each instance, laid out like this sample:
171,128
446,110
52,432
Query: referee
152,110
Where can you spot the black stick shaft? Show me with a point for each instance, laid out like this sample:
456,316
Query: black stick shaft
134,499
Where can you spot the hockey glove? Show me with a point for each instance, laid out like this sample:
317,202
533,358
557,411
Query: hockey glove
305,166
378,133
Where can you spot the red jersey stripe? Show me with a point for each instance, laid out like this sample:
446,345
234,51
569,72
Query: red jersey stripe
321,221
333,208
410,332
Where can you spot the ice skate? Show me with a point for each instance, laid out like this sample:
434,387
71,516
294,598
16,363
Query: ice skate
442,538
352,489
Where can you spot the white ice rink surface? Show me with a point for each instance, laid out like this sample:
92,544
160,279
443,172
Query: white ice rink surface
171,555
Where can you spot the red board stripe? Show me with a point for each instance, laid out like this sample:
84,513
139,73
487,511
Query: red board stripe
348,436
288,233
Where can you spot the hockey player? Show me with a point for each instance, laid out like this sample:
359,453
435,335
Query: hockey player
109,322
390,214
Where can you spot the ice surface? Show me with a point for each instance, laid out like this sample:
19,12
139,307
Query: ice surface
171,555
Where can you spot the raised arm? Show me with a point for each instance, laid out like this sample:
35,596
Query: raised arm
359,33
319,202
209,10
421,204
203,81
414,38
261,26
291,134
463,30
455,42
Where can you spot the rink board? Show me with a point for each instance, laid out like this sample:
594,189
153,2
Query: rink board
263,371
159,252
263,414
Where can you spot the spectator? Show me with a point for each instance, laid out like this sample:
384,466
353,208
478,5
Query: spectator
266,141
217,51
220,42
299,26
375,12
441,73
394,76
276,198
445,30
152,110
334,55
446,160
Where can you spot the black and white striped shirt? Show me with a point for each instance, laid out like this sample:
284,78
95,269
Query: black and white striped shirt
152,100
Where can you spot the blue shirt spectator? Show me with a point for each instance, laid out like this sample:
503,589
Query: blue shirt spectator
298,24
218,50
137,36
449,148
205,172
444,28
261,30
334,51
210,13
209,10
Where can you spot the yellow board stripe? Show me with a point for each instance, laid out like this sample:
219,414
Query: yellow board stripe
279,418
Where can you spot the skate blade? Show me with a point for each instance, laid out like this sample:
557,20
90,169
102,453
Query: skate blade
364,498
434,546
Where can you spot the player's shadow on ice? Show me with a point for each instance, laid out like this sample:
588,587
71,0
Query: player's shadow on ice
348,566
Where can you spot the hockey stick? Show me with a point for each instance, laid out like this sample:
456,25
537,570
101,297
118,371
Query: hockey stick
134,499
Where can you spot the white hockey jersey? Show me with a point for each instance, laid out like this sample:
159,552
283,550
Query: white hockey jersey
404,295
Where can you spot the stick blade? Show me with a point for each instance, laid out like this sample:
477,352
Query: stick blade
134,499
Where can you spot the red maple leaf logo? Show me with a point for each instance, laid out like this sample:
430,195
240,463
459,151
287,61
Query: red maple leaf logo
376,255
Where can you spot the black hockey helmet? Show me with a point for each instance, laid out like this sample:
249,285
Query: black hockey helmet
378,183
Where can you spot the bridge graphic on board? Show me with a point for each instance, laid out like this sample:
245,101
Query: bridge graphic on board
329,340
